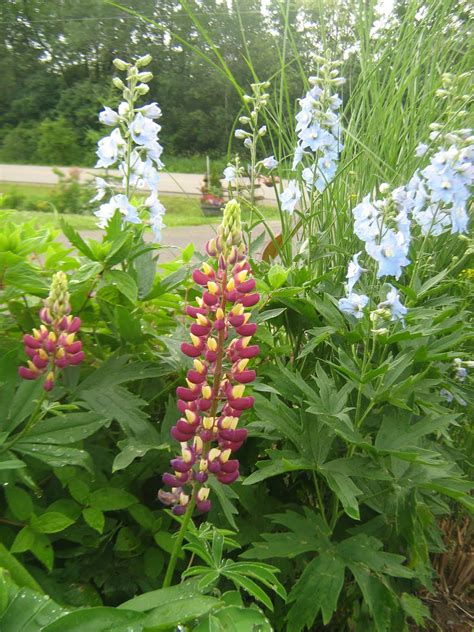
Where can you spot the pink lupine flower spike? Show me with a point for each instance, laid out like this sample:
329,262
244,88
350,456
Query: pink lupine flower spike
214,397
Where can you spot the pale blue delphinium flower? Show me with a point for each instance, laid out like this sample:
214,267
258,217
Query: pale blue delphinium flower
297,157
126,208
315,138
353,304
104,214
392,302
270,162
390,254
109,116
101,186
367,220
433,220
421,150
230,174
151,110
290,197
110,149
354,272
143,130
157,212
459,219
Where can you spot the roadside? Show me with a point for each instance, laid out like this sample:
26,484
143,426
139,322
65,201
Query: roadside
170,183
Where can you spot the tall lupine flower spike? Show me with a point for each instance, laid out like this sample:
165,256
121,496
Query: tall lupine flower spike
53,347
214,397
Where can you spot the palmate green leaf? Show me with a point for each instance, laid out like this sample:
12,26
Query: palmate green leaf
317,590
9,463
415,609
118,370
275,467
346,491
305,533
263,572
380,600
117,403
251,587
367,550
23,403
64,429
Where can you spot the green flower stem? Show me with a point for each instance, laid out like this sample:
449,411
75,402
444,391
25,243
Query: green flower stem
180,537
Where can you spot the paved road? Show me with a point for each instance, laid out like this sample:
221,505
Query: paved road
170,183
178,237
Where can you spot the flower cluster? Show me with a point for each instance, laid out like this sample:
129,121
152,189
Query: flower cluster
53,347
134,148
214,398
439,193
319,136
256,103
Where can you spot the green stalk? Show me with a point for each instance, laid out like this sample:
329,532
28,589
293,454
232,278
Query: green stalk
179,538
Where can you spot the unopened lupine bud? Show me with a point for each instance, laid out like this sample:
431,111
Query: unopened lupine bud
118,83
143,61
214,398
120,64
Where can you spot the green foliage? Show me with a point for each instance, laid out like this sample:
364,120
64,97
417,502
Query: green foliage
354,456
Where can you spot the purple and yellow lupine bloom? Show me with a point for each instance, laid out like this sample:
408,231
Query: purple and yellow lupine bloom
214,398
53,346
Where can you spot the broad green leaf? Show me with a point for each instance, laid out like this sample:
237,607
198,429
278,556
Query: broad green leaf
29,611
236,619
269,314
23,541
51,522
23,404
111,499
76,240
366,550
317,590
19,502
18,572
123,282
163,596
94,518
225,495
54,455
277,276
167,616
275,468
132,449
65,429
99,619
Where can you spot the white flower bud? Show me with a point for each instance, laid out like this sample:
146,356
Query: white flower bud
120,64
143,61
339,81
246,98
262,131
245,120
384,187
118,83
142,89
145,76
248,142
241,133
